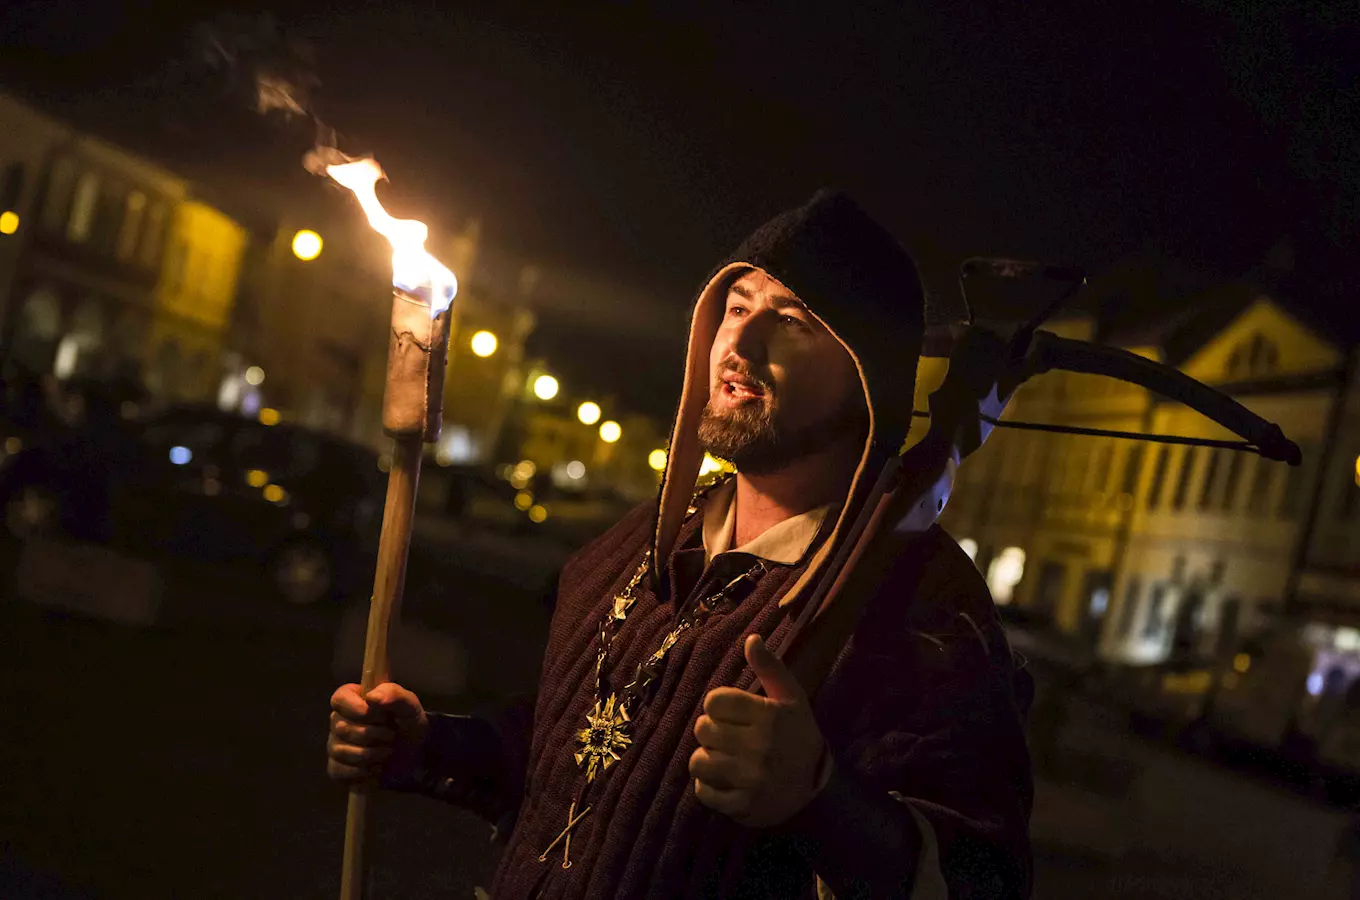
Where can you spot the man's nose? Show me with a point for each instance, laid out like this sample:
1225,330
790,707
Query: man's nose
750,339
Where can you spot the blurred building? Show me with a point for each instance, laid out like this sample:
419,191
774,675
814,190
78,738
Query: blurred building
91,244
1158,550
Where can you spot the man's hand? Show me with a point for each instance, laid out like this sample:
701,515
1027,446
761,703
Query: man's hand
381,733
758,756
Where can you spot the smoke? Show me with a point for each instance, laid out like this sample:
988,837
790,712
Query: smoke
264,67
272,73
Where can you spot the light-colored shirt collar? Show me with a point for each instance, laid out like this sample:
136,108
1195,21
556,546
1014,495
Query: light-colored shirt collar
785,543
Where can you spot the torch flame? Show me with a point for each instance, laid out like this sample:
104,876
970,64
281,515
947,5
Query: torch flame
414,270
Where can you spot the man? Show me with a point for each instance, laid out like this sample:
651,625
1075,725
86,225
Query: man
649,765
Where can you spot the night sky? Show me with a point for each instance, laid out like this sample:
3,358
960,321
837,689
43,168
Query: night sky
640,142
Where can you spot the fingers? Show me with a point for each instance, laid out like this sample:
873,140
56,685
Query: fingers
736,707
362,735
724,771
395,703
350,704
735,803
355,755
729,738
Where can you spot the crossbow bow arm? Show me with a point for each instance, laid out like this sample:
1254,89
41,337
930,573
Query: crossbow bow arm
1048,351
914,486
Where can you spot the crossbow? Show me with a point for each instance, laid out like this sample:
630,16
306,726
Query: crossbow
985,369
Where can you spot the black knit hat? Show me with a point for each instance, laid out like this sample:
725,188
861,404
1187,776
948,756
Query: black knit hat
858,280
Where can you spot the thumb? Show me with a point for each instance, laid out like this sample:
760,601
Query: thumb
774,676
394,700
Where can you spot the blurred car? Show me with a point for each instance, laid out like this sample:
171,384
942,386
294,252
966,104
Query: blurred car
302,506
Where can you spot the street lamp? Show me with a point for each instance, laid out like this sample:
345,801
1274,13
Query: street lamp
588,413
9,222
610,431
545,387
306,245
254,375
484,344
657,459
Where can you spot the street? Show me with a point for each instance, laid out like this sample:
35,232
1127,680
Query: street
186,759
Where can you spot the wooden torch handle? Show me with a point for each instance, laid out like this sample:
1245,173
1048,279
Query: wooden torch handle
383,610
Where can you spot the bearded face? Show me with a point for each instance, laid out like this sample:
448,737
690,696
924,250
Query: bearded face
782,386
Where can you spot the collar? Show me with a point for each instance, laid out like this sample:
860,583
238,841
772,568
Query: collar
785,543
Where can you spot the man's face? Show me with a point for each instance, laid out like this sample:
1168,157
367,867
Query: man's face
781,385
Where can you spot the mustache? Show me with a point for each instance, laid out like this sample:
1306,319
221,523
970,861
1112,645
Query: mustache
736,367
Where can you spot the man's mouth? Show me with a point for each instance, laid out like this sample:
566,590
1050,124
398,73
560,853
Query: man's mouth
740,387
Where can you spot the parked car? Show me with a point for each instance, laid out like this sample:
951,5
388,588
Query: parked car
302,506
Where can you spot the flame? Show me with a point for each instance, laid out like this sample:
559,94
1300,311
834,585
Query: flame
414,270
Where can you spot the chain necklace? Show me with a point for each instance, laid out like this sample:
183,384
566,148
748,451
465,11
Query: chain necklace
606,735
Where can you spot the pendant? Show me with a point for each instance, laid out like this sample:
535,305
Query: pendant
604,738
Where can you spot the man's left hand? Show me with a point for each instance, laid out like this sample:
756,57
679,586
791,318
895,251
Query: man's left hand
758,756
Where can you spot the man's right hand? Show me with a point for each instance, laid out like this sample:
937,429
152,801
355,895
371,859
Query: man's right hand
382,733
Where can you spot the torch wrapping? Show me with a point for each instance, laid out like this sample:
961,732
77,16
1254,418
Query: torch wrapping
416,356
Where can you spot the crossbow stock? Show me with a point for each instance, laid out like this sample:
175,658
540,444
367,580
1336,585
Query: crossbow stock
985,369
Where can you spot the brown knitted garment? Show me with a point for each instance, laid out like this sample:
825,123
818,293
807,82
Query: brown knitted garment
921,703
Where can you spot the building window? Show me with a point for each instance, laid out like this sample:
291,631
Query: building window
1154,621
1132,593
11,187
1231,479
1188,457
1133,461
83,205
1206,492
1154,495
1348,499
155,232
1263,475
57,197
1004,573
133,213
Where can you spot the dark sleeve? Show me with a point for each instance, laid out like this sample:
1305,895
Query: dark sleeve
927,733
476,762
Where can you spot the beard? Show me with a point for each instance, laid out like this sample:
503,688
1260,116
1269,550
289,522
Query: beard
752,438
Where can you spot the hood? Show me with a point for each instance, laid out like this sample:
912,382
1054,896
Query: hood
862,285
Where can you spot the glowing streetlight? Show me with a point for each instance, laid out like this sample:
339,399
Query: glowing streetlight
588,413
306,245
610,431
254,375
657,459
484,344
545,387
9,222
269,416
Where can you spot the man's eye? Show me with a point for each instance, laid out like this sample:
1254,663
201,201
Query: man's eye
736,310
794,321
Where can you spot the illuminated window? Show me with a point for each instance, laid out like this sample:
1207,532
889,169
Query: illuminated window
1154,495
83,207
1133,591
134,212
1188,457
57,196
1231,480
155,232
1210,481
1005,573
1298,483
1262,477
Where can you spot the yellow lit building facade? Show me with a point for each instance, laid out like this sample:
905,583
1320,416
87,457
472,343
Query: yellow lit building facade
193,303
1151,550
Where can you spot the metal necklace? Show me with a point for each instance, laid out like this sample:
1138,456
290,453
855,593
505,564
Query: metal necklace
606,734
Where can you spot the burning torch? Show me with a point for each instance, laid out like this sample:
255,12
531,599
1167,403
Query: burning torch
417,350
